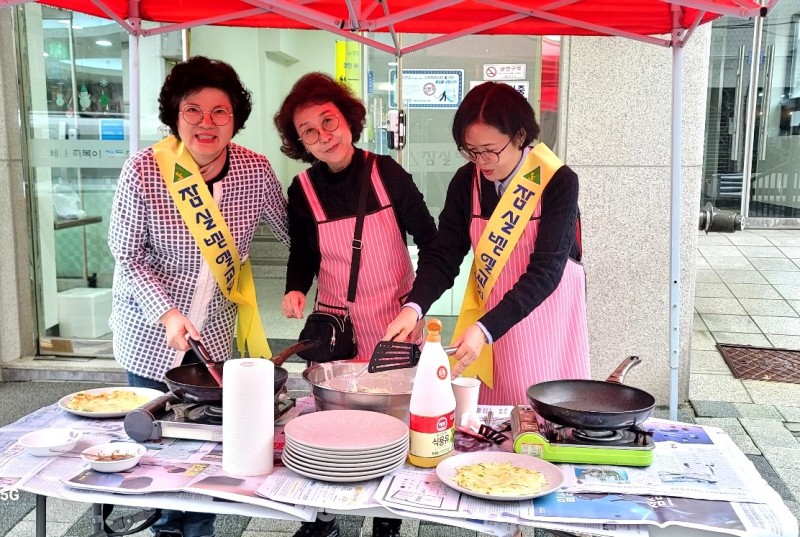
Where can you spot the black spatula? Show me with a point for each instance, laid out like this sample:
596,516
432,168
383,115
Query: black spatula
390,355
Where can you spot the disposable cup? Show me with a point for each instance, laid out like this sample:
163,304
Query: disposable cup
466,391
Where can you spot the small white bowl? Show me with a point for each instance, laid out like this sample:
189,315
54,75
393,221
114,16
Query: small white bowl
101,457
50,442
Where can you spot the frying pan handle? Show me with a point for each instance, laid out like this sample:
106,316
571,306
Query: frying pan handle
618,376
202,353
300,346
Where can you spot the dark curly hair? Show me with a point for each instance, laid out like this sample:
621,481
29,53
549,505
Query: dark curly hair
315,89
196,74
499,106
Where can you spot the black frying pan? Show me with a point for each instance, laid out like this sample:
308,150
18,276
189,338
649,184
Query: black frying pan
195,384
593,404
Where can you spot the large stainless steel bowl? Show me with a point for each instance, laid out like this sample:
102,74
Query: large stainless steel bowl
388,392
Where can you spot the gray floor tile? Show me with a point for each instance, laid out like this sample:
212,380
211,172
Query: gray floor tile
785,240
774,480
730,263
781,277
773,393
791,251
785,326
703,340
784,342
697,322
714,409
731,276
753,290
789,413
760,306
758,411
712,290
724,306
788,291
774,263
729,425
730,323
748,239
707,276
710,362
724,251
756,252
706,387
733,338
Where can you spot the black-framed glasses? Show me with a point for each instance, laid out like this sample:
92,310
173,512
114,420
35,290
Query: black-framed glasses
193,115
488,156
311,136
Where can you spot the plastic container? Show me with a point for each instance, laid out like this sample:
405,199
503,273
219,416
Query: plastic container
432,406
83,312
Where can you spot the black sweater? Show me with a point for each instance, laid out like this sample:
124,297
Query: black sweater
555,242
338,194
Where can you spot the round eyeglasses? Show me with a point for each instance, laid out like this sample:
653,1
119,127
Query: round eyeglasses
311,136
488,156
193,115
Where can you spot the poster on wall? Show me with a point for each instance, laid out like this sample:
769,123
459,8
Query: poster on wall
428,88
522,86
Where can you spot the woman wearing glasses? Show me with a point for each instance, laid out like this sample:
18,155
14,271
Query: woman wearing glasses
183,217
516,206
319,121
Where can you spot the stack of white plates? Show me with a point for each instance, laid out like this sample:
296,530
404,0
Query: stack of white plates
345,445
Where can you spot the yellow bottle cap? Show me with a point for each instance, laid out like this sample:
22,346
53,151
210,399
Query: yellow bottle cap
434,329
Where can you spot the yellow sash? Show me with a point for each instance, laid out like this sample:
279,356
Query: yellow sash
201,215
498,240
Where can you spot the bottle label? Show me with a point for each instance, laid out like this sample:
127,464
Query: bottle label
431,436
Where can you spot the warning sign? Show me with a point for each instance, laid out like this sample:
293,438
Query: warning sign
504,71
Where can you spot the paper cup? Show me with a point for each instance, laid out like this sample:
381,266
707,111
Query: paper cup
466,391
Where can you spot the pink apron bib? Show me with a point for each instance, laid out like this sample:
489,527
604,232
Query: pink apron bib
551,343
385,275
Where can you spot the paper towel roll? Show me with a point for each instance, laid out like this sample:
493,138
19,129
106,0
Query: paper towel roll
248,416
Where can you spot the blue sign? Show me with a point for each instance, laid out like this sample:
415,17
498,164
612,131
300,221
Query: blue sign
112,129
429,88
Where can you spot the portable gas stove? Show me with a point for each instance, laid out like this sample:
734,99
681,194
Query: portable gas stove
169,417
552,442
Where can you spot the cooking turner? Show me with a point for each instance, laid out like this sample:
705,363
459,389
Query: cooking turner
390,355
202,353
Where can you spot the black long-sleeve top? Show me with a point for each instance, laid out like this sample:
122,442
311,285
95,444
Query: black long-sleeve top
338,194
555,242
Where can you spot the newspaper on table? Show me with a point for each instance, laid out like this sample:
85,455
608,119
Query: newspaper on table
690,461
291,487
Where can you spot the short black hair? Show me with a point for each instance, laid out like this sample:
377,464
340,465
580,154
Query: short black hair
196,74
310,89
497,105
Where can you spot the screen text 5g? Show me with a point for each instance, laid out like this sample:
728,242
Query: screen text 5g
9,495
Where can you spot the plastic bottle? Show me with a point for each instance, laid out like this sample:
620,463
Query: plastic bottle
432,406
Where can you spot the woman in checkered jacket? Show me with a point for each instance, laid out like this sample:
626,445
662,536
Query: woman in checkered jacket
163,288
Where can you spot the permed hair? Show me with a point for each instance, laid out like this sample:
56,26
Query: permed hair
196,74
315,89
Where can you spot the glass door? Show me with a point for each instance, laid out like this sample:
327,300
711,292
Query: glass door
775,187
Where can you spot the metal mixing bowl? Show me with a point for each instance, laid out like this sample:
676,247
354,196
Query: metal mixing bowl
388,392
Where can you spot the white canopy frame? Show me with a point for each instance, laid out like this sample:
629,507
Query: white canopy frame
359,21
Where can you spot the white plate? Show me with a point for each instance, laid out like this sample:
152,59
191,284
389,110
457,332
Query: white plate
339,479
326,463
346,430
348,455
446,471
149,392
334,471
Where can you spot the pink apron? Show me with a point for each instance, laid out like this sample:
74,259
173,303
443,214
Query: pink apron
551,343
385,275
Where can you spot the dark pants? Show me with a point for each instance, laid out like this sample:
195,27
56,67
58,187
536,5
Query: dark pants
188,524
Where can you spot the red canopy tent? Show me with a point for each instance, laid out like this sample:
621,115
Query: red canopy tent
642,20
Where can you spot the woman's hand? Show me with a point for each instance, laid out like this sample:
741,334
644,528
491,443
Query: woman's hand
293,304
403,325
470,345
178,326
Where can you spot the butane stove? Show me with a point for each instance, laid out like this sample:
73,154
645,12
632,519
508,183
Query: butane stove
557,443
169,417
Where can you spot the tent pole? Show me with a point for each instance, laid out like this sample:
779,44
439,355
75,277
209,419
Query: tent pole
133,82
675,223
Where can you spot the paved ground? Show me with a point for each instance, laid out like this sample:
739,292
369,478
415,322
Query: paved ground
748,292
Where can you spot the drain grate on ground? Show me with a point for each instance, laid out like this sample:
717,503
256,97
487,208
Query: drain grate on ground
762,363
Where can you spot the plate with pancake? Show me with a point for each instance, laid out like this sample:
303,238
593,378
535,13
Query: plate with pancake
496,475
107,402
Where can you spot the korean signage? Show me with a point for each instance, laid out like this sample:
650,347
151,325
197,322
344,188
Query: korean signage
429,88
434,157
504,71
78,153
522,86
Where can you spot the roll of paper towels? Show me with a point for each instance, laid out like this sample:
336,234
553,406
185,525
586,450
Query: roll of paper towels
248,416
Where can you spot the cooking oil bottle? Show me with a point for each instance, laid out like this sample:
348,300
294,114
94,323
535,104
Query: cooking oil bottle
432,406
